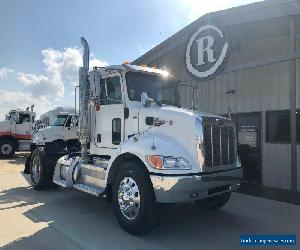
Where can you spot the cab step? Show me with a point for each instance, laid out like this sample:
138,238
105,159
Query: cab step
89,189
60,182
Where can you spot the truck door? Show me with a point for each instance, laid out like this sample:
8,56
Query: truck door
70,128
23,126
109,125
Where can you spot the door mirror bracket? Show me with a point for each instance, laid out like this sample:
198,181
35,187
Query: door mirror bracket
146,100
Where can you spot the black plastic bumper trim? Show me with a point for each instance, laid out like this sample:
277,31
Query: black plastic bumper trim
195,174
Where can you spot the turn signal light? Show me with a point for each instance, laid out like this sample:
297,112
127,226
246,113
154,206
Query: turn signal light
156,161
97,107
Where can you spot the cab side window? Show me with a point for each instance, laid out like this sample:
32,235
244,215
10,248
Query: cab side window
23,118
114,93
103,98
111,92
68,122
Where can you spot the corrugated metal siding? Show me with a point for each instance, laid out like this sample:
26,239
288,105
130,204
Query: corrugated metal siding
298,167
298,107
256,89
276,161
260,88
277,165
298,83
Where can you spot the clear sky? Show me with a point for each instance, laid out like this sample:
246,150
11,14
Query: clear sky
40,48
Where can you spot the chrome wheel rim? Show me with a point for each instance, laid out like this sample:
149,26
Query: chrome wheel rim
36,166
129,198
6,149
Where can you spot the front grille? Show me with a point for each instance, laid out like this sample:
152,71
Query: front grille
219,145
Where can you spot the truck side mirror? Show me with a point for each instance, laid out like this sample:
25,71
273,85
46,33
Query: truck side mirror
146,100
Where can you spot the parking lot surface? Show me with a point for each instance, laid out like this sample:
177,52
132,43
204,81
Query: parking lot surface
70,219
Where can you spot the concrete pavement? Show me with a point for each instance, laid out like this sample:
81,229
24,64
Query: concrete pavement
70,219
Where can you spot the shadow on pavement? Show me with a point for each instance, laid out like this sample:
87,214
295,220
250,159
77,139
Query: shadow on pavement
47,238
78,220
18,159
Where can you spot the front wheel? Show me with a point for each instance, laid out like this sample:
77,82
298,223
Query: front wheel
214,202
40,171
134,200
7,148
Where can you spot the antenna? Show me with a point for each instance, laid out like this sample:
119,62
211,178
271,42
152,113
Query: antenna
229,92
229,112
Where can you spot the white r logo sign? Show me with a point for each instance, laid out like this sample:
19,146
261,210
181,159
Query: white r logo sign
210,53
206,57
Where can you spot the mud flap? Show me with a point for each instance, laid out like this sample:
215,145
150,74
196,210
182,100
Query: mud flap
27,165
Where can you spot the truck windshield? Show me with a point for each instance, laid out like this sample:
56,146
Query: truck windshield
162,90
60,120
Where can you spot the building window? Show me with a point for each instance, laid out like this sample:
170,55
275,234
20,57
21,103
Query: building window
278,126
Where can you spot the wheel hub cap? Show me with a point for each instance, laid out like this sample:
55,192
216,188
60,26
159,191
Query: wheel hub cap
36,169
129,198
6,149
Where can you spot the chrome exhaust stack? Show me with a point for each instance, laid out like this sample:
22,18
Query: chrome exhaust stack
84,96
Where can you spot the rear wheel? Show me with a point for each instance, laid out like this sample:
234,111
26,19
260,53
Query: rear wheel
134,200
41,169
7,148
214,202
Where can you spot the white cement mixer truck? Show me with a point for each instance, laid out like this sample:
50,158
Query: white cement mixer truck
140,148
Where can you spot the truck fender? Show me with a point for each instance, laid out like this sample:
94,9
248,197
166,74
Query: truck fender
139,148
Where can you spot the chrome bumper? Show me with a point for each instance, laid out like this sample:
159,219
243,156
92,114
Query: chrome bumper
183,188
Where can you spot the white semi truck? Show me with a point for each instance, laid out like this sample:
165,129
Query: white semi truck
58,139
16,132
140,148
49,117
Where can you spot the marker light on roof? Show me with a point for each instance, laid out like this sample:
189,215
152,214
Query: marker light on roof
165,73
126,62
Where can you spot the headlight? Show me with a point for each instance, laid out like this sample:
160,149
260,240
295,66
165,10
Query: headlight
174,163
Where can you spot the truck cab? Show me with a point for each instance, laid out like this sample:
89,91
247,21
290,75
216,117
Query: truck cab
139,147
16,132
57,139
63,128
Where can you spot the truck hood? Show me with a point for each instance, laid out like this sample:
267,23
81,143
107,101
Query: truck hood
48,134
174,111
178,124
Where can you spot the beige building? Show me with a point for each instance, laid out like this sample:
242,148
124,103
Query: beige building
245,61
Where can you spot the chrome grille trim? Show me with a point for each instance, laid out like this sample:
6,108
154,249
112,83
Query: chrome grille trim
222,154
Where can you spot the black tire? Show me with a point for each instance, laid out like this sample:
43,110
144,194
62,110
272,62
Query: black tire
7,148
46,169
147,215
214,202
